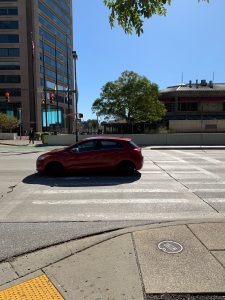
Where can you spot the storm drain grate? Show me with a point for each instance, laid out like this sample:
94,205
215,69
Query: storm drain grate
185,297
39,288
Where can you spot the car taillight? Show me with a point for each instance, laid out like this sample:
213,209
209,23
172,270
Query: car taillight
137,150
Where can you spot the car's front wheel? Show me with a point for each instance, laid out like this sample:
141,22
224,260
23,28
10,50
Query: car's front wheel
54,169
126,168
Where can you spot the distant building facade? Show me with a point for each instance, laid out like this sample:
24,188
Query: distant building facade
195,107
36,64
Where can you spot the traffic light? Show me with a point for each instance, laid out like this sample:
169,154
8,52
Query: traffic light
80,116
42,99
52,97
7,96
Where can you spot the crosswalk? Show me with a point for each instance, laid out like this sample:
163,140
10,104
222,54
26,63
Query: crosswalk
169,188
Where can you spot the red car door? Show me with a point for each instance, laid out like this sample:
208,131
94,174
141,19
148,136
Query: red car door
109,155
82,157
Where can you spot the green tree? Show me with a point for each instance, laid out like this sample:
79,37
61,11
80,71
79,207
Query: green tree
90,124
8,122
132,98
129,14
3,120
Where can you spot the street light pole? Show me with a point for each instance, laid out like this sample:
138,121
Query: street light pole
44,77
20,118
68,83
75,57
56,85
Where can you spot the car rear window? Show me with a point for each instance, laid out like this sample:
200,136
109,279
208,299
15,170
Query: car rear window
133,144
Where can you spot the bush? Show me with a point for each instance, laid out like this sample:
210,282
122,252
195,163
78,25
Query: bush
43,135
8,122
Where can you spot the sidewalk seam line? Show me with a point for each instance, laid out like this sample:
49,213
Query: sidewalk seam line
139,267
52,276
14,269
217,258
187,225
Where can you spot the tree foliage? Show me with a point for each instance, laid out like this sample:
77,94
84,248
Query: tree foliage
129,14
8,122
91,124
132,98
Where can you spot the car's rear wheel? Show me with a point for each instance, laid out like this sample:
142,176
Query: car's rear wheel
126,168
54,169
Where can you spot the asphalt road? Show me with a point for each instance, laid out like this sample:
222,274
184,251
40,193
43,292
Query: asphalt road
38,211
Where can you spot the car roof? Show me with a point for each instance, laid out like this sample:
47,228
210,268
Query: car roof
105,138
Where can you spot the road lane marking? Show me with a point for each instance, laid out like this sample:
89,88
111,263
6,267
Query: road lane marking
110,201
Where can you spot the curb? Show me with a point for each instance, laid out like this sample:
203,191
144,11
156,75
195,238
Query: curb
104,236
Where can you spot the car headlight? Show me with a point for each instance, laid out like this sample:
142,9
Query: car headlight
42,157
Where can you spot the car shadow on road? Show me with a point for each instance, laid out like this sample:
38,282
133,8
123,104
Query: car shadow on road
83,180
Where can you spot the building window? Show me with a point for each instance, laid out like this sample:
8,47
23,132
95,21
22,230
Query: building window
54,18
188,106
8,11
9,38
52,117
9,25
56,9
170,107
12,92
4,65
9,52
52,28
10,79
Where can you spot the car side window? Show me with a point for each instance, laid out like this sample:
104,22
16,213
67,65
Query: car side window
108,145
85,147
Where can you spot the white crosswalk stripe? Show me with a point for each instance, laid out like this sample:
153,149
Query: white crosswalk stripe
108,201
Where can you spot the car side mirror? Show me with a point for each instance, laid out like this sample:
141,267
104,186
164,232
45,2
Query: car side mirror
75,150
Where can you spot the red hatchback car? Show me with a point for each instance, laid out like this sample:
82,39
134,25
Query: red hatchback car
106,154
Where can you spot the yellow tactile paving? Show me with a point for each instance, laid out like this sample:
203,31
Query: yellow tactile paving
39,288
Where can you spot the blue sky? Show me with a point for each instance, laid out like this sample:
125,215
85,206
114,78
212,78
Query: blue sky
189,40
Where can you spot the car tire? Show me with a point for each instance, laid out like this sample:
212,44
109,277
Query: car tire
54,169
126,168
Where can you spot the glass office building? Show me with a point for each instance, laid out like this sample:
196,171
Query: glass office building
36,65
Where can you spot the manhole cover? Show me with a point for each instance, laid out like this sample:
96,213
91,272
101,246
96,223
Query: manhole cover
170,247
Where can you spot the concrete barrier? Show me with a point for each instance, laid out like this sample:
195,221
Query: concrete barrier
172,139
8,136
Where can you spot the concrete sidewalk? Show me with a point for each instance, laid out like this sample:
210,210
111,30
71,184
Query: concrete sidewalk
161,261
23,142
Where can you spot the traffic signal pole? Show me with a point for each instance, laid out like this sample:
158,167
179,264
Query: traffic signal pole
56,84
75,57
44,77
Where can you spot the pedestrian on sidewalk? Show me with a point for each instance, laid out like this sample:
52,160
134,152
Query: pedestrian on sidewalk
31,135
